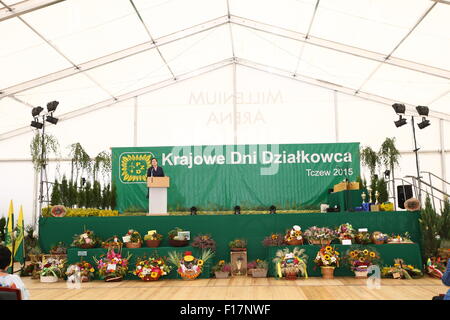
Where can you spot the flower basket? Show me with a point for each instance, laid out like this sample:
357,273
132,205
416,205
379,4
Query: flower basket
152,243
113,278
48,279
294,242
178,243
222,275
291,276
259,273
378,241
190,275
321,242
86,245
149,278
238,249
361,274
133,245
327,272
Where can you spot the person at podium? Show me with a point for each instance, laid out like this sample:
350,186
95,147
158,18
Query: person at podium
155,170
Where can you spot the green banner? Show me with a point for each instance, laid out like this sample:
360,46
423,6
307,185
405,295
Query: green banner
289,176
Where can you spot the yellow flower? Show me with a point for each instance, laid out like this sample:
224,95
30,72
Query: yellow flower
328,248
336,253
200,262
154,274
327,257
92,270
397,265
361,259
222,262
372,254
353,254
366,252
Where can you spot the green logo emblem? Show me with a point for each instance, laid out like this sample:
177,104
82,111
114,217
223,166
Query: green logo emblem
133,166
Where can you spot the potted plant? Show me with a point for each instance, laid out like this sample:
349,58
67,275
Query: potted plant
327,259
86,240
274,240
176,240
293,236
188,266
362,238
59,249
51,269
360,258
238,245
400,270
379,237
112,243
346,232
204,241
112,267
152,268
222,270
132,239
290,264
153,239
257,268
84,270
320,236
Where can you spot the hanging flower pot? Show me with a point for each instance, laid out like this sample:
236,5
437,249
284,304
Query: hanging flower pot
327,272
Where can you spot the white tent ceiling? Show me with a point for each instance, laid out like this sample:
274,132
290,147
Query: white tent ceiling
90,53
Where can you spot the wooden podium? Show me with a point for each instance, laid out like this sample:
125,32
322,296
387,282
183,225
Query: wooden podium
157,195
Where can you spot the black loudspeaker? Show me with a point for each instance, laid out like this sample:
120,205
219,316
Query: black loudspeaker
403,193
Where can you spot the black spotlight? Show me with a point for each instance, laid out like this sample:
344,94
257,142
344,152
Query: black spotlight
272,209
193,211
425,123
36,111
37,124
399,108
400,122
51,106
52,119
387,174
237,210
423,111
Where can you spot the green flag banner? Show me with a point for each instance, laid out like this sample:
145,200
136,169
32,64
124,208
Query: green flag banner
289,176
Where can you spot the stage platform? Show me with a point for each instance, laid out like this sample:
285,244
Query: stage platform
224,228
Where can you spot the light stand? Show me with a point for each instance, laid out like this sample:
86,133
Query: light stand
416,151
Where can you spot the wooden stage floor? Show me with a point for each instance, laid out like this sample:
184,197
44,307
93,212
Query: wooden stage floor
237,288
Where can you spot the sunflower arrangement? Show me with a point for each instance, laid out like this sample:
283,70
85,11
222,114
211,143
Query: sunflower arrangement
204,241
85,240
83,268
362,238
346,232
221,266
188,266
274,240
294,235
113,266
290,264
379,237
401,270
327,257
360,258
151,268
112,242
